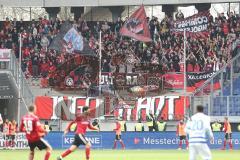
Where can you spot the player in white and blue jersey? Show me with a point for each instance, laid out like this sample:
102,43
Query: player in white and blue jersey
199,131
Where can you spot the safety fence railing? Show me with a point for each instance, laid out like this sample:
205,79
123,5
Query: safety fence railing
11,64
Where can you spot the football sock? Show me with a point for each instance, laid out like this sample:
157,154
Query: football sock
122,144
87,150
230,144
67,152
224,144
180,144
47,155
115,144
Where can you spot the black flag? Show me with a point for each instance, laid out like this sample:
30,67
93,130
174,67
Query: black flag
69,40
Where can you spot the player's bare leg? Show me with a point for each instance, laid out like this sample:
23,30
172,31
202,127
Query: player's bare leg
48,153
31,155
87,150
67,152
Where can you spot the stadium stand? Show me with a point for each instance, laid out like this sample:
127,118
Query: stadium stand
164,54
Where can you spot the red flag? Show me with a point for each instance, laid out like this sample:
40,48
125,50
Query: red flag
136,26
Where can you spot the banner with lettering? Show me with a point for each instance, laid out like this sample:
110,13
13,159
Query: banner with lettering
132,140
173,81
5,55
167,107
20,141
130,79
196,25
194,80
59,107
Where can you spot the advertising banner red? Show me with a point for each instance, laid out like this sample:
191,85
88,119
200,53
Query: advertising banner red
194,81
174,81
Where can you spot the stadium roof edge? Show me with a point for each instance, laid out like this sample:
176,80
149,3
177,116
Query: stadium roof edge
74,3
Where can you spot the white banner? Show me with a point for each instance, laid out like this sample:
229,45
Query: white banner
5,55
20,141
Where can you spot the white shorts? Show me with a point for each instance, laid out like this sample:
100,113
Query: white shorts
200,149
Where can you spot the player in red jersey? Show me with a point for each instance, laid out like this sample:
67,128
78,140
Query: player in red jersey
82,121
34,132
118,131
228,134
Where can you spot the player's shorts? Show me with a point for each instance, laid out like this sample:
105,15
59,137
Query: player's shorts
118,137
182,137
200,149
40,144
79,139
228,135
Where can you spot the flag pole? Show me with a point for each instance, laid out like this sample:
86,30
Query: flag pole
100,62
19,78
185,70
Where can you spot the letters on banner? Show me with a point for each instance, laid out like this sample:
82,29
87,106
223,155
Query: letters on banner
167,107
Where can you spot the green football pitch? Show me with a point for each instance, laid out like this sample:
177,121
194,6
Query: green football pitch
119,155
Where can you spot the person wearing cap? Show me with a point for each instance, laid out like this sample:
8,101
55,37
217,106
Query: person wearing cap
118,131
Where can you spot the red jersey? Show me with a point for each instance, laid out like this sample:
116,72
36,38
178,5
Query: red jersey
227,127
32,127
118,129
82,124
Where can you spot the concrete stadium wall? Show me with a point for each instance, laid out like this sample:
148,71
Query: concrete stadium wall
59,3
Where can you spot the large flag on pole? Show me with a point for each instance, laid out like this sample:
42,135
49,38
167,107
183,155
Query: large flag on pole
70,40
136,26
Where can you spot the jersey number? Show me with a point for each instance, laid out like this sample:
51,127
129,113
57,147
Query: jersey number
28,125
197,125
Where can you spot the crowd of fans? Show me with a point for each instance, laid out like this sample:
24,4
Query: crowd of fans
119,54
